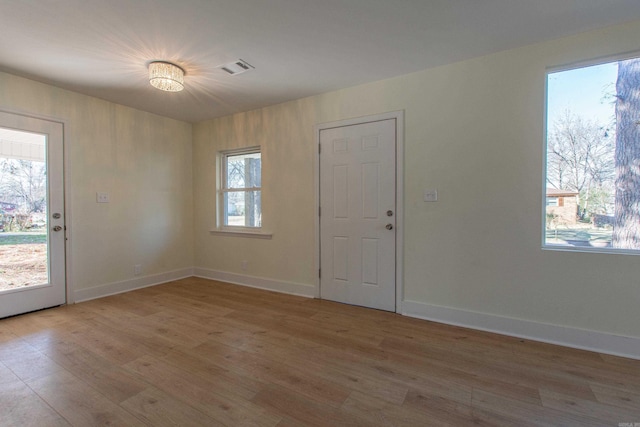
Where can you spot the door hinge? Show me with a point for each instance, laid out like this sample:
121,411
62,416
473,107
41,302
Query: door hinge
319,148
319,211
319,273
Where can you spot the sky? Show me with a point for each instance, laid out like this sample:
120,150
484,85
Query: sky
584,92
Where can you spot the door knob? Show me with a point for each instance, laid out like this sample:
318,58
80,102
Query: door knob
389,213
57,228
389,227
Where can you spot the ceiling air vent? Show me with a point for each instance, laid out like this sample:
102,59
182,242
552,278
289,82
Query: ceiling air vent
236,67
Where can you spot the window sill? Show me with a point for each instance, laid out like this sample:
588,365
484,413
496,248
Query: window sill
242,233
592,250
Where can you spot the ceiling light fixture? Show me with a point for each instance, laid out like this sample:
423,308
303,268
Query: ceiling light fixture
166,76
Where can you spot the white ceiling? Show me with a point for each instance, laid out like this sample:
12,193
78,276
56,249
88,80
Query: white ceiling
298,47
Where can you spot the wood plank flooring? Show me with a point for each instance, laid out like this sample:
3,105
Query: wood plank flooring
197,352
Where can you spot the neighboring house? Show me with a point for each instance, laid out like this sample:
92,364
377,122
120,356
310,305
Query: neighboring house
564,205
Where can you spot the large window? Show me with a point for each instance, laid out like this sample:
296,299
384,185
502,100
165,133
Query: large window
240,191
592,173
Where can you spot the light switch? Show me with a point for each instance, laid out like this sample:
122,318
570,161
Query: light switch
102,197
430,195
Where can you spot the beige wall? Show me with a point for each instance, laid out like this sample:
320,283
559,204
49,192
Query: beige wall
474,132
142,160
284,132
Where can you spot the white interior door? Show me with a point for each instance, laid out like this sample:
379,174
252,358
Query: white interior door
32,232
357,214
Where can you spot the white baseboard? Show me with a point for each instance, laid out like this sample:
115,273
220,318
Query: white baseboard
561,335
553,334
257,282
130,285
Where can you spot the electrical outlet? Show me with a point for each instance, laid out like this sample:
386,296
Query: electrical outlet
102,197
430,195
137,270
243,265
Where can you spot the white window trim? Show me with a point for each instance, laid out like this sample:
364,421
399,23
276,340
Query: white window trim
234,230
567,67
243,233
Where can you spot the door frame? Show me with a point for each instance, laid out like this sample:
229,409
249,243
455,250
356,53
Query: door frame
66,177
399,118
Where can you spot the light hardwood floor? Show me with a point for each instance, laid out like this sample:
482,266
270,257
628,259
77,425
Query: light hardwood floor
197,352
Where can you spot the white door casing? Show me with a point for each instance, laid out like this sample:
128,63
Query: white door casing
357,197
53,292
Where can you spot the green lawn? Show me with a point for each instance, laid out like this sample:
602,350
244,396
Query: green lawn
22,238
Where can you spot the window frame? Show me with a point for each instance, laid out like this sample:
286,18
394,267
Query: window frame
601,60
224,189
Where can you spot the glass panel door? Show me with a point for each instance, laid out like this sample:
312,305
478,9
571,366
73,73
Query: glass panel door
32,266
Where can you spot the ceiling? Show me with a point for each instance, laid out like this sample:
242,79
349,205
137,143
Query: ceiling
298,47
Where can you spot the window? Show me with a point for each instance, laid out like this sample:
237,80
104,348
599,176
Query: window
240,193
592,151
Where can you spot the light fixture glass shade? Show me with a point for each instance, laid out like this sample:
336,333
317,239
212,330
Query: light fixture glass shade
166,76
